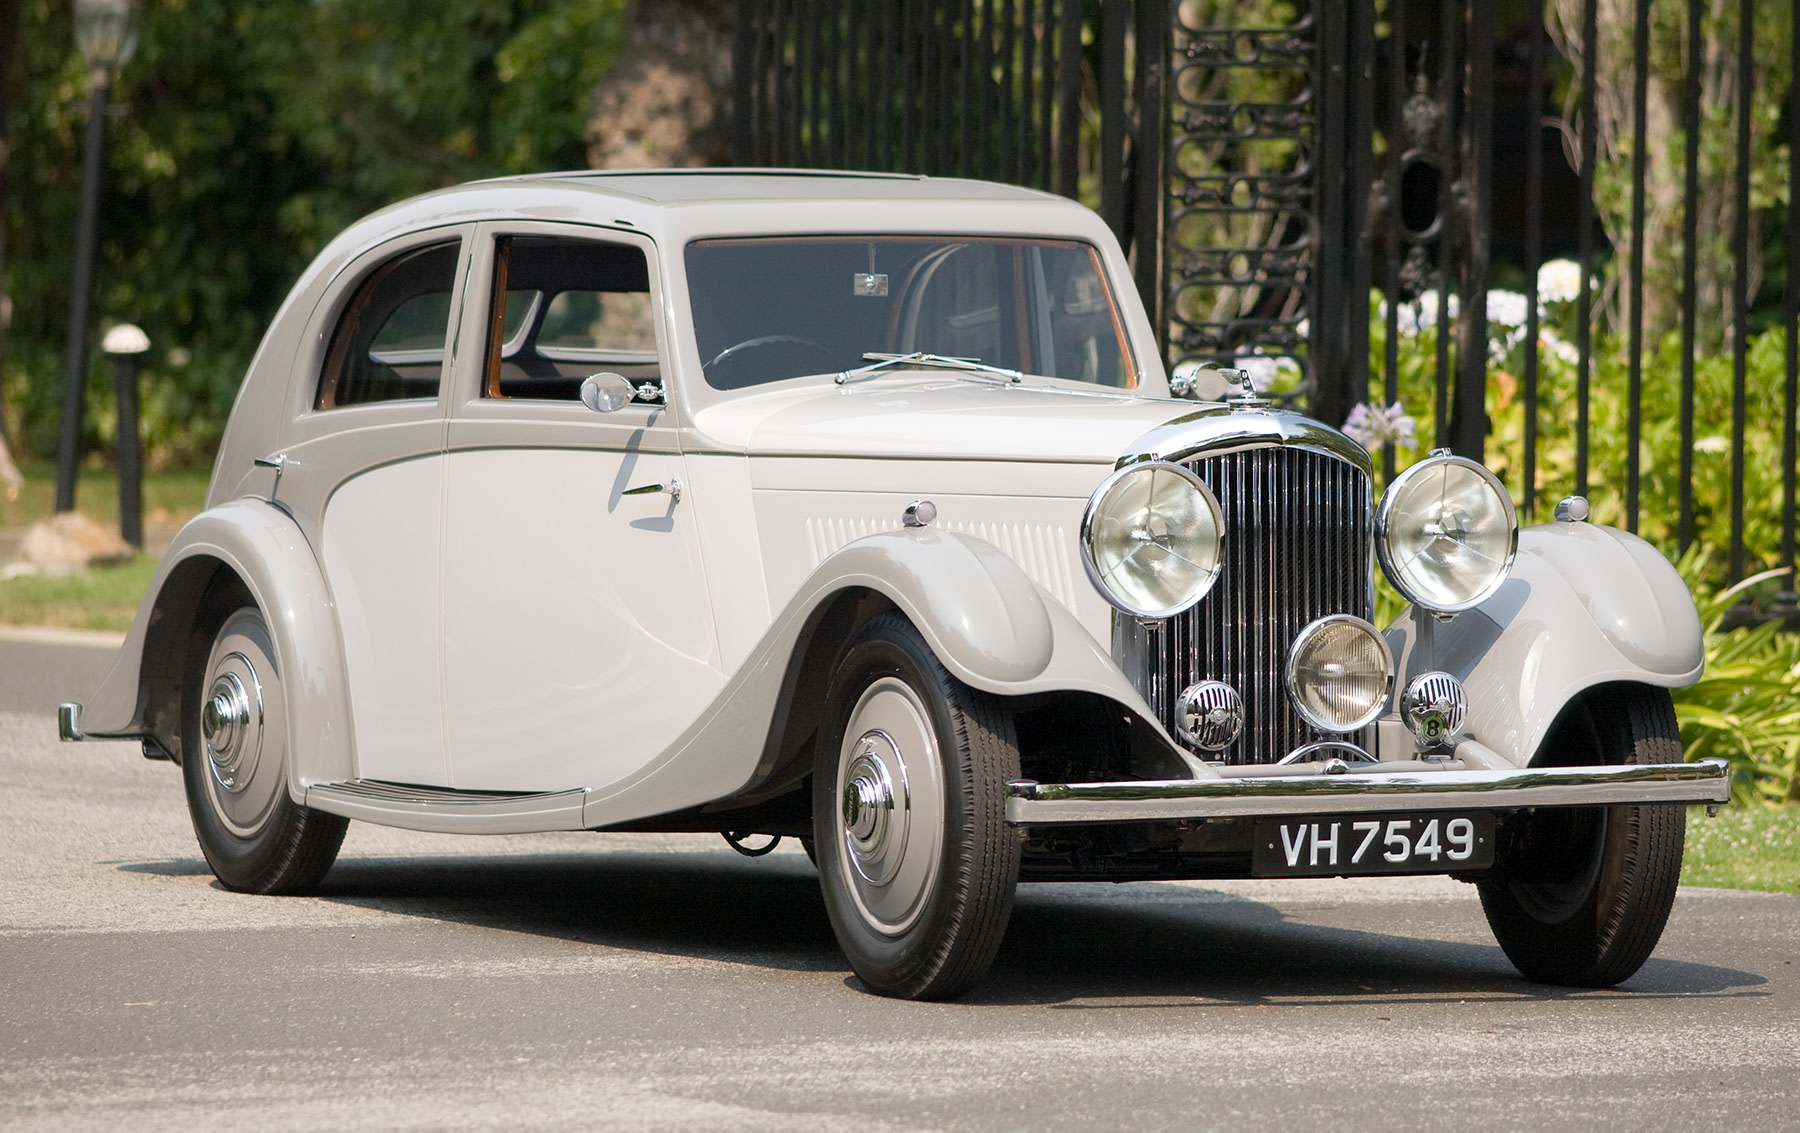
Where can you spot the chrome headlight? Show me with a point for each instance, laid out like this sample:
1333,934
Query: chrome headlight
1339,673
1446,533
1150,539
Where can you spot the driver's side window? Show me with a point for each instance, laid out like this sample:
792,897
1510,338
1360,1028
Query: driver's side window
563,309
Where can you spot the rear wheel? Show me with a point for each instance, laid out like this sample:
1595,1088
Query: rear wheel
234,729
916,862
1582,895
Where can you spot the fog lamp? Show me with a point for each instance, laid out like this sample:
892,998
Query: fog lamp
1339,673
1433,706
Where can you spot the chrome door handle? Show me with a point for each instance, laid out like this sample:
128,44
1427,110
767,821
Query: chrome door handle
673,487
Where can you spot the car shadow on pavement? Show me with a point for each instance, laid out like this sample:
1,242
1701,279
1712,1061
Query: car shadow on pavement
1214,947
766,913
167,867
1067,946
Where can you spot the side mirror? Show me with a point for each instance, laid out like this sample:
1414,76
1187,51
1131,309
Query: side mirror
605,392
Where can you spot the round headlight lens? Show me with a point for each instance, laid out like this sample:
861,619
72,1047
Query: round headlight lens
1446,533
1339,673
1150,539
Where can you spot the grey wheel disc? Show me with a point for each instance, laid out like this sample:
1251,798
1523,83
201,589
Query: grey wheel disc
890,813
243,725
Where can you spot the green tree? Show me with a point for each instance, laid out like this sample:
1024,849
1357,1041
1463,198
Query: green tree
250,135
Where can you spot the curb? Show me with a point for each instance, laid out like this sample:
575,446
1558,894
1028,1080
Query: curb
56,635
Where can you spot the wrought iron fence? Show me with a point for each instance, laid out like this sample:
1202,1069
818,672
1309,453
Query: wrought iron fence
1044,93
1268,181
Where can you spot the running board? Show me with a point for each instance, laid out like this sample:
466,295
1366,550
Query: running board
446,811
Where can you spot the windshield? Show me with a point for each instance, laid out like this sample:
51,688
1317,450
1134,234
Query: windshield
768,309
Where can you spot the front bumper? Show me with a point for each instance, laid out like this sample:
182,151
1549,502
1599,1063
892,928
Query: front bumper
1030,803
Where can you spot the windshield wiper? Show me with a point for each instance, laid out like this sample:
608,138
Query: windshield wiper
880,362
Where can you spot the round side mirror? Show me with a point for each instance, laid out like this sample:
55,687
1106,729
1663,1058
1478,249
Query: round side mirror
605,392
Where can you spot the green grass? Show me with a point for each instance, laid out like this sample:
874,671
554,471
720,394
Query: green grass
103,598
1744,848
171,496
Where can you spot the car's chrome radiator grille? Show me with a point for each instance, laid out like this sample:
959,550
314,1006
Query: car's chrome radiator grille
1298,539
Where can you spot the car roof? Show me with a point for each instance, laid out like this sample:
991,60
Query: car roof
680,186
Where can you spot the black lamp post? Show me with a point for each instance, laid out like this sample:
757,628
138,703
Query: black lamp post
106,32
125,343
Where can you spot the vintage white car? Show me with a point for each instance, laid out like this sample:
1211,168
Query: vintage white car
856,508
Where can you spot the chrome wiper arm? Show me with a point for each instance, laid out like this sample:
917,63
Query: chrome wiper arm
880,362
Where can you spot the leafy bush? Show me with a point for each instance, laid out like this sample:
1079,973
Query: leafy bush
1659,445
1746,709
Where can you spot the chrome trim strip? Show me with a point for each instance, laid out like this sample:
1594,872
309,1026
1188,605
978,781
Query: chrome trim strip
1047,804
1302,755
449,811
1212,431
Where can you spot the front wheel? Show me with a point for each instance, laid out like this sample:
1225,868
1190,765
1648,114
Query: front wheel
1583,894
916,862
234,731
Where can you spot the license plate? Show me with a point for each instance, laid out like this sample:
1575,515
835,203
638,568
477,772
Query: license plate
1330,845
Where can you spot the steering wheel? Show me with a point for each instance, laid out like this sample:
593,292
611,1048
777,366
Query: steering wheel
766,340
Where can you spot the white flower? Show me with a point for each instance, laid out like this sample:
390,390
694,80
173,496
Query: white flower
1422,313
1500,347
1506,307
1562,347
1558,281
1712,444
1373,426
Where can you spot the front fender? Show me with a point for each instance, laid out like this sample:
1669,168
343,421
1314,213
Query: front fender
141,694
986,621
1585,605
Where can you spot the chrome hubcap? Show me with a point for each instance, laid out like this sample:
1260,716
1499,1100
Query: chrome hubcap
224,722
876,839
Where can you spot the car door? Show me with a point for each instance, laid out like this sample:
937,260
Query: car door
361,469
578,638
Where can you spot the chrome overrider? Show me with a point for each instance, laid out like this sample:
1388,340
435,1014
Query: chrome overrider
1031,803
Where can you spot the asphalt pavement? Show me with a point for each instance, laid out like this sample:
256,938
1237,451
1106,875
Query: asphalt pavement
662,982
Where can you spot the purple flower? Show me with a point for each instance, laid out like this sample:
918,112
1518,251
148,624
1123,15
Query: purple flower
1374,426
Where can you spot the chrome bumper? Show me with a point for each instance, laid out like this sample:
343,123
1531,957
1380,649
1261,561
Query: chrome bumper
1047,804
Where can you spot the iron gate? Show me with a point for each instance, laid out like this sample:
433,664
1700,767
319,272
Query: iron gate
1266,181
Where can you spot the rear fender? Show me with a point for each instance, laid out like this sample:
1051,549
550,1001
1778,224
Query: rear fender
1584,605
264,548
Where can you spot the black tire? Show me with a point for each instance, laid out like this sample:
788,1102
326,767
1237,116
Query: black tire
234,732
918,881
1581,896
